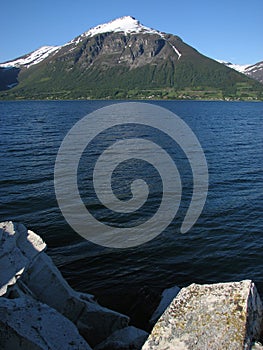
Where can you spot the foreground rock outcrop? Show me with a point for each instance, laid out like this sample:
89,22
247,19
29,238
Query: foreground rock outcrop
39,310
223,316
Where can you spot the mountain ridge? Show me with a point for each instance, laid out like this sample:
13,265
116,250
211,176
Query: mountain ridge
123,59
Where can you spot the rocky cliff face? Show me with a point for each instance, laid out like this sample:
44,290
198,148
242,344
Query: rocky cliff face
112,49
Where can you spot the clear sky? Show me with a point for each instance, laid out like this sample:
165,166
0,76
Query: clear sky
230,30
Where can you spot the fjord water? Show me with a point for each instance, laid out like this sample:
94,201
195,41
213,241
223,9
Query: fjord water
225,244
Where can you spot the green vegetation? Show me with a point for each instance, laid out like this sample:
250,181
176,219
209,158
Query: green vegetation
242,92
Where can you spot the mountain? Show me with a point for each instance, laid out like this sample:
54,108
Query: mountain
254,71
122,59
9,70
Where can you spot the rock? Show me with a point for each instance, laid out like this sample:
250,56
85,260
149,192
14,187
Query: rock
215,317
166,298
94,322
257,346
27,271
18,247
39,310
27,324
129,338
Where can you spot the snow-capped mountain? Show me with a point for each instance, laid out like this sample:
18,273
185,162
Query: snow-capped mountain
254,71
126,24
118,59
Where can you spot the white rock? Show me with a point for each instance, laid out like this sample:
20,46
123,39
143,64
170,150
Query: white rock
215,317
17,249
26,324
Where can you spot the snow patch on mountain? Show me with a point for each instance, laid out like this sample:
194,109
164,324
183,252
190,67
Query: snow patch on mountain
176,51
126,24
238,67
32,58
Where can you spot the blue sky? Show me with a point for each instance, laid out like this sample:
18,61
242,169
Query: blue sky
229,30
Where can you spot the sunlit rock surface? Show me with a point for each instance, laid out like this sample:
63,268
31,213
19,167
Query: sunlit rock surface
215,317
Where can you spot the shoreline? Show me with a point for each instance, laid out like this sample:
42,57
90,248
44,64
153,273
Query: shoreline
130,100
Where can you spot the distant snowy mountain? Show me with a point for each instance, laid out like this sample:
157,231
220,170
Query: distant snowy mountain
254,71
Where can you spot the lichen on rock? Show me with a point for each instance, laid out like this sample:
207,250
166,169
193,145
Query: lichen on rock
215,317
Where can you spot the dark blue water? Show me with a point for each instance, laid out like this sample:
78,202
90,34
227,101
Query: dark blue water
225,244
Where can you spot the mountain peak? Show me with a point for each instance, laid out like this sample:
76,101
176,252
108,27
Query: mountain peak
125,24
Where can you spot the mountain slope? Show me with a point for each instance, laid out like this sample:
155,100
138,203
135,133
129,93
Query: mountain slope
124,59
